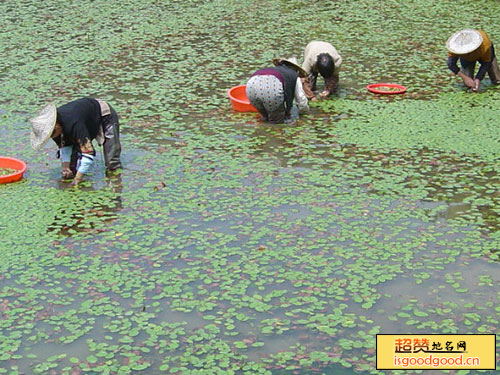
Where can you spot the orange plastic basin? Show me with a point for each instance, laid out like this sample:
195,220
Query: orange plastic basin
378,88
11,163
239,99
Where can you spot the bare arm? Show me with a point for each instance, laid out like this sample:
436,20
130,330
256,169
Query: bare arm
467,80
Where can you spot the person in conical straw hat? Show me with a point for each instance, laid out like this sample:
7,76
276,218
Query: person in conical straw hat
272,90
321,58
73,127
471,46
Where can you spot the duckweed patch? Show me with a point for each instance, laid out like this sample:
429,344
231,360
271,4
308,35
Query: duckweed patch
7,171
229,246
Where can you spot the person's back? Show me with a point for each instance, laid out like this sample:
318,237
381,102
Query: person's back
273,90
80,120
321,58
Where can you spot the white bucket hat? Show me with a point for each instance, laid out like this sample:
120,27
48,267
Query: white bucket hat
464,41
43,125
292,63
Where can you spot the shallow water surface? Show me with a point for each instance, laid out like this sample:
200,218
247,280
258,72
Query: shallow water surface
229,246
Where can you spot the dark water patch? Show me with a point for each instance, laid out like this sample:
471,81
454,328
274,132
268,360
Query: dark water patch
231,245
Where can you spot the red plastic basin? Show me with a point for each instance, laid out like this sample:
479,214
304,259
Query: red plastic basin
11,163
239,100
378,88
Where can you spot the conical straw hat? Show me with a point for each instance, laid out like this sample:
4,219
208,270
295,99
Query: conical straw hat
464,41
292,63
43,125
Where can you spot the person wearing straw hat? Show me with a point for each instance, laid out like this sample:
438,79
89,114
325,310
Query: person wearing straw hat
73,126
471,46
321,58
273,90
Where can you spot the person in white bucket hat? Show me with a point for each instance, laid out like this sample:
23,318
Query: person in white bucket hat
471,46
273,90
73,126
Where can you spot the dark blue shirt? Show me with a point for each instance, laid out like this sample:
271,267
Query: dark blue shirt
80,121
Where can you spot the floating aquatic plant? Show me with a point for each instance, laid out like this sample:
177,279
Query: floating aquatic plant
227,245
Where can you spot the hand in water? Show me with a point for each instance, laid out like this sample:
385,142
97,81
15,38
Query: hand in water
476,85
324,94
66,173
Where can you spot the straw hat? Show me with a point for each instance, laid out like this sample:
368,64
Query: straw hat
292,63
464,41
43,125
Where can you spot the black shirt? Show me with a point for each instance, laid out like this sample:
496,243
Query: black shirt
80,121
290,77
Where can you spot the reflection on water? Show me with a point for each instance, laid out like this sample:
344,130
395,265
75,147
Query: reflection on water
395,294
451,180
84,217
196,233
275,235
437,290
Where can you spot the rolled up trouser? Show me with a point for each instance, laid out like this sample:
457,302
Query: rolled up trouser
111,147
494,71
265,92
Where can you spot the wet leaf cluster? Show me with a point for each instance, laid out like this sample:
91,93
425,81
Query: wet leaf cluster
230,246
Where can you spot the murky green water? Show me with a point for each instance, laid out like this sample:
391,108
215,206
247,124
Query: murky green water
228,246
